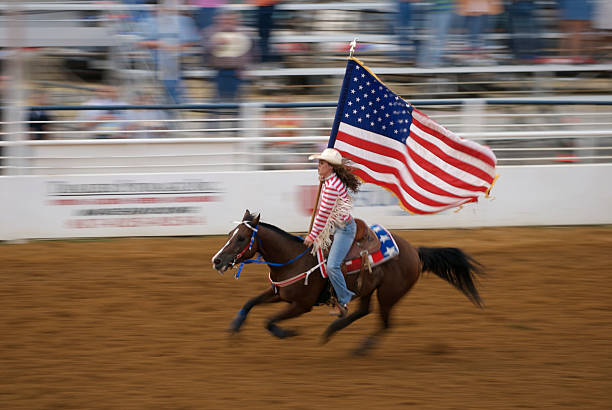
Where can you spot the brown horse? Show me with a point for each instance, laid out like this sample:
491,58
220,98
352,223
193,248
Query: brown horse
298,282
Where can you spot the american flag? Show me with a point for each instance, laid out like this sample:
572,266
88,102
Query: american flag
394,145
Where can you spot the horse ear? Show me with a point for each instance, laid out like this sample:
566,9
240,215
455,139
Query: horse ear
246,215
256,219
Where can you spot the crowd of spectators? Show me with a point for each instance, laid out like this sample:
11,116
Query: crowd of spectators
227,43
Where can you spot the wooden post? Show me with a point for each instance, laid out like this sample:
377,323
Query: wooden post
314,211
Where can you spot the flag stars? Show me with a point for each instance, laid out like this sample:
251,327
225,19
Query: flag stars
363,107
355,79
359,119
354,111
352,91
367,115
350,103
357,99
361,87
346,115
371,123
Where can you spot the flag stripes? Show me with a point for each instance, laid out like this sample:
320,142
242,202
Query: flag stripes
398,147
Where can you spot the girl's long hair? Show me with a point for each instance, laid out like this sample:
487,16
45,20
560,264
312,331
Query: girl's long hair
345,173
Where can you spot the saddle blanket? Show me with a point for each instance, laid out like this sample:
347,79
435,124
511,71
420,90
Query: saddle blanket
388,250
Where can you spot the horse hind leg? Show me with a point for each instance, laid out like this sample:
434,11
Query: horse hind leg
387,296
370,341
341,323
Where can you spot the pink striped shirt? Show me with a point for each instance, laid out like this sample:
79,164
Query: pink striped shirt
332,189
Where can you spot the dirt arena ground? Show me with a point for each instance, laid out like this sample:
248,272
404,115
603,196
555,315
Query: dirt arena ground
139,323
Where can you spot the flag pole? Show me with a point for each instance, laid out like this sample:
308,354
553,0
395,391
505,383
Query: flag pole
314,209
353,45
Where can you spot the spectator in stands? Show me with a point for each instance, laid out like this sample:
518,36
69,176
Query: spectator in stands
2,129
575,22
524,31
207,10
477,16
146,120
265,25
406,29
228,49
39,128
105,121
136,14
169,34
603,23
284,123
439,21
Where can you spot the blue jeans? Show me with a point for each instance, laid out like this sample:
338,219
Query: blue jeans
524,29
343,239
435,46
228,84
265,24
476,27
405,30
174,91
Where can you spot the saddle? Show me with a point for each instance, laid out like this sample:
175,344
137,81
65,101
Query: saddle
366,242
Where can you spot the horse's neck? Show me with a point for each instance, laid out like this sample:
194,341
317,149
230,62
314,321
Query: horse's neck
277,248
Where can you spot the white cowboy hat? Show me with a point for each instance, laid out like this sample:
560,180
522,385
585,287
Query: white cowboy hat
328,155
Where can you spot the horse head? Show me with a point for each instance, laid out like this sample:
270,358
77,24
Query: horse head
241,244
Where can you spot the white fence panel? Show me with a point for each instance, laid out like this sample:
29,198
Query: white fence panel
209,203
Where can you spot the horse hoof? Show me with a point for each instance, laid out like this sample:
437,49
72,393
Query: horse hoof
361,351
280,332
234,328
365,347
288,333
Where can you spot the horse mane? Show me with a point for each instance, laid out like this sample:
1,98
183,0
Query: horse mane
285,234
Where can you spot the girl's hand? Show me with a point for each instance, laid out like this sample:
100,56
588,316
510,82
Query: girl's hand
308,242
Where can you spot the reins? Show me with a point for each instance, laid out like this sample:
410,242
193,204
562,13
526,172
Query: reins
258,259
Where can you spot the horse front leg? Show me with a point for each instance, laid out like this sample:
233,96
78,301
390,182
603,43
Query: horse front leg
269,296
293,310
341,323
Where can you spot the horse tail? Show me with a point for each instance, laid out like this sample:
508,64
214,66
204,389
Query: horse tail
454,266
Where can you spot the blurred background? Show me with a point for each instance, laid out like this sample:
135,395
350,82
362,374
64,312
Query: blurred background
529,78
146,120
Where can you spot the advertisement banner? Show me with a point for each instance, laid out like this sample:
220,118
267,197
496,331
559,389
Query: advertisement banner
212,203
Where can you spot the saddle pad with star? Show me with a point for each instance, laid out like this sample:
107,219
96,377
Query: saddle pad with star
388,250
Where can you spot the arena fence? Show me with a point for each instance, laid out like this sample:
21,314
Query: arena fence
280,136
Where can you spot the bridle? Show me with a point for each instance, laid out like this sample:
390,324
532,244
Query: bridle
249,247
